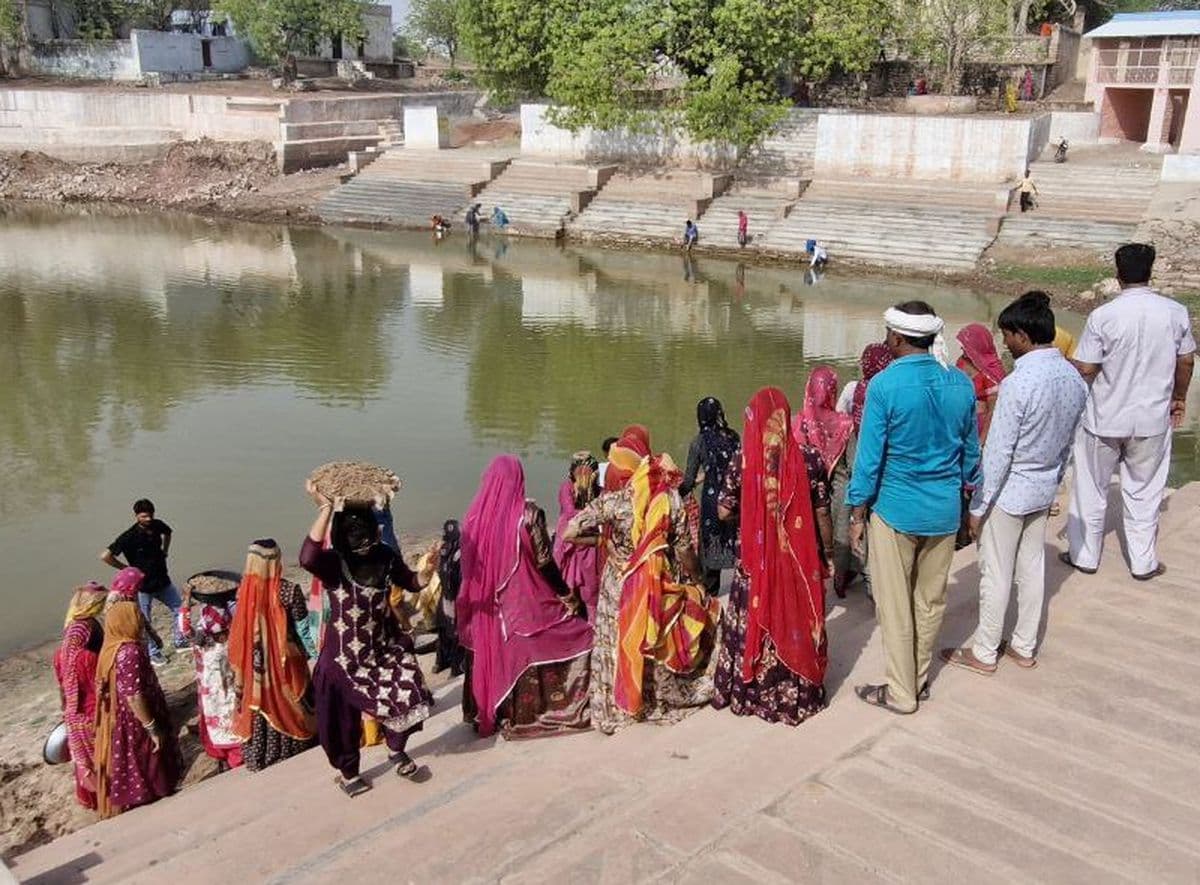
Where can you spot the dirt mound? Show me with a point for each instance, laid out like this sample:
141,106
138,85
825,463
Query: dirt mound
471,131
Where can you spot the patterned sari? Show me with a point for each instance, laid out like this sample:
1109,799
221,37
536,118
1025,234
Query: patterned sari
75,668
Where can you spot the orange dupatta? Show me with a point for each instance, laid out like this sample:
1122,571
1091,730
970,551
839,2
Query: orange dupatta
259,619
659,618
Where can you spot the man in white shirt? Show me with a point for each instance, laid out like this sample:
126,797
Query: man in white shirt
1028,442
1138,352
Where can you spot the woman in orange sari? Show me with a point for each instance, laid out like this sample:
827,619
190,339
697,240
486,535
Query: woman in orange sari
773,649
274,717
654,623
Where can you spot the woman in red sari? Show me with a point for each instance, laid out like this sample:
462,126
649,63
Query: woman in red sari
75,667
527,671
773,652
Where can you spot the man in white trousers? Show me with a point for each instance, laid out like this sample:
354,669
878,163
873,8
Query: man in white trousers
1138,352
1028,442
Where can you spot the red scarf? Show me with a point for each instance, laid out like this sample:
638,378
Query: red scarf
779,544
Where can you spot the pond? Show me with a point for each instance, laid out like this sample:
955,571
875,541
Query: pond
211,365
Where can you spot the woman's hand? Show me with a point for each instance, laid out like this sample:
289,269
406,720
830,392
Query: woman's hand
155,740
319,499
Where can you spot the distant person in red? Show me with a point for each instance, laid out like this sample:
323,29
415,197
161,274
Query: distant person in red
743,234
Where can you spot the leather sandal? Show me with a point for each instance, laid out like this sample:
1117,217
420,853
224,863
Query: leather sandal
965,658
405,767
1160,569
353,787
1027,662
877,696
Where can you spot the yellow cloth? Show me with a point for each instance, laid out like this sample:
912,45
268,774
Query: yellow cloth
372,734
86,602
421,615
1065,342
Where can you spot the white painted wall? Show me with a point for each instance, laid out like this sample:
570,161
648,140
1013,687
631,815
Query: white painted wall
1077,127
426,128
970,148
540,138
1181,167
163,52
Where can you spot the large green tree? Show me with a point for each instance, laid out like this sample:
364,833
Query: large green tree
709,66
278,27
949,31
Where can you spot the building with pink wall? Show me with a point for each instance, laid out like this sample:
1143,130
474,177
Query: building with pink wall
1145,81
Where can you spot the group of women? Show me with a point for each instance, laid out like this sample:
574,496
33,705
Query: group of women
611,619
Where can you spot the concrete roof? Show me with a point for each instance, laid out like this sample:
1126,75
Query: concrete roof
1149,24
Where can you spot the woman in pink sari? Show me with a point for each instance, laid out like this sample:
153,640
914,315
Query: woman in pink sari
527,667
75,667
982,365
579,564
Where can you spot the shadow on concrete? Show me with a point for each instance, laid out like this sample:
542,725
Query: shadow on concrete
69,873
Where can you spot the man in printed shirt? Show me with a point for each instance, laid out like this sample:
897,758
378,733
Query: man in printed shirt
918,449
1138,352
1023,462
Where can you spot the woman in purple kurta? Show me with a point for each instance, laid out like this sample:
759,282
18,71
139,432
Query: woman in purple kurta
367,663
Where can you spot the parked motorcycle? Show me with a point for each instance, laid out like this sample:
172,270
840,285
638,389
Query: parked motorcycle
1060,152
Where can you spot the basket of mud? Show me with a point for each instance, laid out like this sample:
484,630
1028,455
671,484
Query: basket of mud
214,587
355,482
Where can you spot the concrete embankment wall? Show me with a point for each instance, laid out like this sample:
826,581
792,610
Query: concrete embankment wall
541,138
87,125
145,52
968,148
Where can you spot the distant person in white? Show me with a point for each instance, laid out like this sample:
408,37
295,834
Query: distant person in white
1024,459
603,470
1138,352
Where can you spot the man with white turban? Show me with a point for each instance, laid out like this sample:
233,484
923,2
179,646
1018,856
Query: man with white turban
917,451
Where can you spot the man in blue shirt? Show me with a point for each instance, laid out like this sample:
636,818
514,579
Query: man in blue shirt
1028,442
918,449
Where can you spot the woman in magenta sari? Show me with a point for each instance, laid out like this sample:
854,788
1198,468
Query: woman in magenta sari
527,671
579,564
75,667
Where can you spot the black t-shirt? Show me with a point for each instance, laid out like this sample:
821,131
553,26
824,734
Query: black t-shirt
142,548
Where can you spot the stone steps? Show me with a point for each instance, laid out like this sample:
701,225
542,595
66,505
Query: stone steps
1036,229
607,217
911,193
537,197
719,221
787,152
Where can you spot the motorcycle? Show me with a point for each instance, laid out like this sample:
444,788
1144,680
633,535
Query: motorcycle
1060,152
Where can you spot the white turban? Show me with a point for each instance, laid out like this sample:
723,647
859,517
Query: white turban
919,325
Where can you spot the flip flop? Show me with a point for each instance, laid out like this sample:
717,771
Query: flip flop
1160,569
405,767
353,787
1065,559
877,696
965,658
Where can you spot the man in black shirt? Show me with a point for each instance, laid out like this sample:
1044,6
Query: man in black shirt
145,545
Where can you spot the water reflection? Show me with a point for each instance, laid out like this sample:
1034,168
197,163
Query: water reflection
210,365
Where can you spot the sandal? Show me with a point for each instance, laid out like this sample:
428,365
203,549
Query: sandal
877,696
923,694
353,787
405,767
1024,661
965,658
1065,559
1160,569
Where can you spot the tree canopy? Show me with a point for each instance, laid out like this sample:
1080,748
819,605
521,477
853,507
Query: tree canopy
278,27
711,67
437,23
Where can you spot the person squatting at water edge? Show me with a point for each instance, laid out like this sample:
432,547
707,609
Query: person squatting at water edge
367,664
919,442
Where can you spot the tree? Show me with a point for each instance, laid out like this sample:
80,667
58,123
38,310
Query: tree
708,66
277,28
437,23
948,31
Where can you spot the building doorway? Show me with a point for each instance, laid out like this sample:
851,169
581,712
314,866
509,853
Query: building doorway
206,53
1125,114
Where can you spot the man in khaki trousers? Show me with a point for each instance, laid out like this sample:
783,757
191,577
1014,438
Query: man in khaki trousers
917,450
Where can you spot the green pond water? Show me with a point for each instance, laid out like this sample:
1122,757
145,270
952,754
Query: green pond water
211,365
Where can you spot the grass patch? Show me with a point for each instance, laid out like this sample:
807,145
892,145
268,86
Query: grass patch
1074,278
